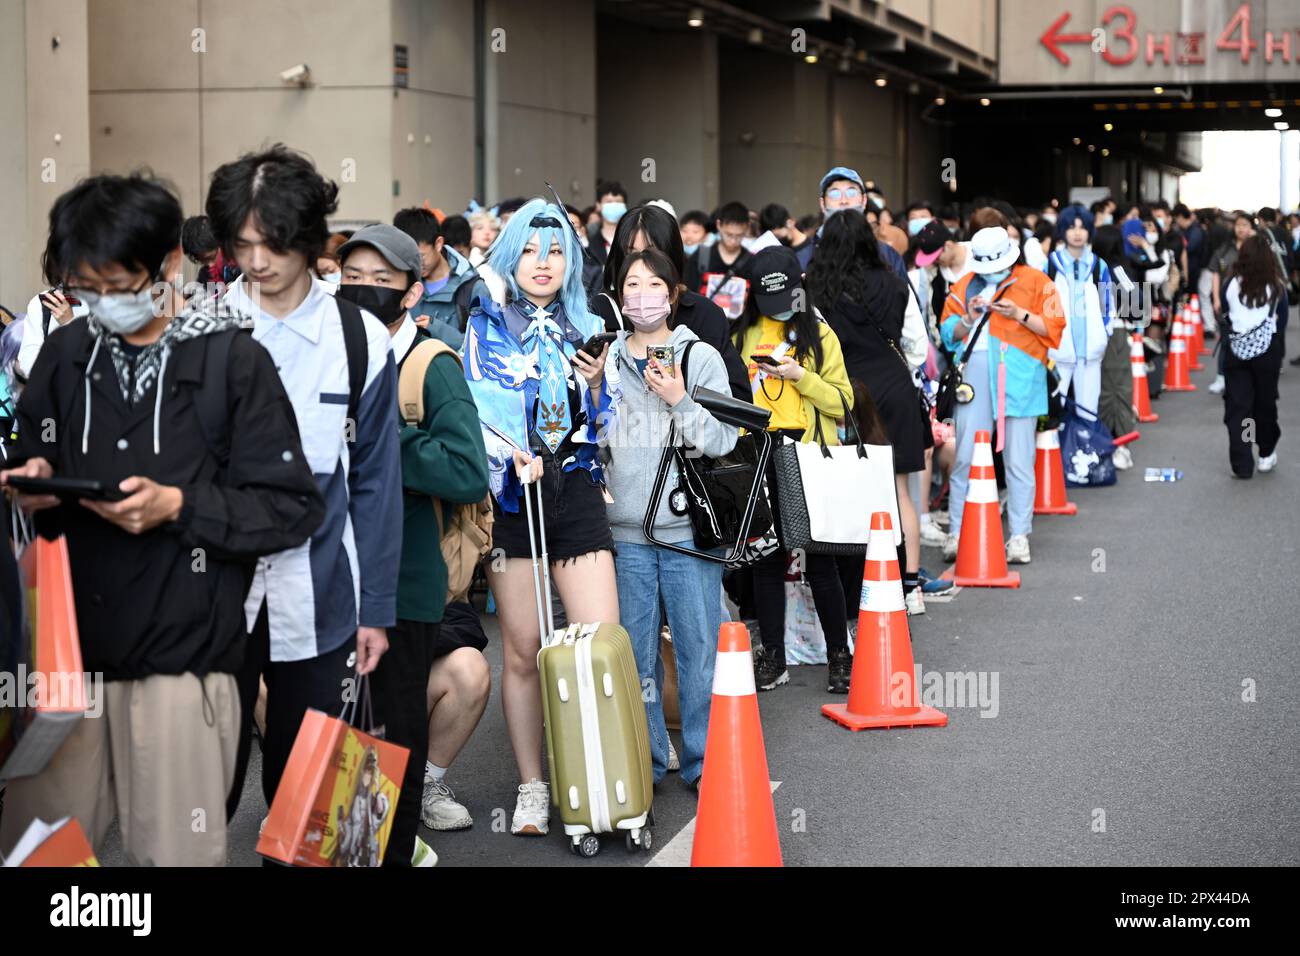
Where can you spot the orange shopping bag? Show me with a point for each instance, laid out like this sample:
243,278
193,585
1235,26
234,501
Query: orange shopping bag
59,844
42,688
334,805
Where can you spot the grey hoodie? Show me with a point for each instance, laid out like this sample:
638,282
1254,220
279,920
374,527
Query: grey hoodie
638,430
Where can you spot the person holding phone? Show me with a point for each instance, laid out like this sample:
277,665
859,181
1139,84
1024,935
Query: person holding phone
46,312
652,371
178,409
807,391
540,400
1018,315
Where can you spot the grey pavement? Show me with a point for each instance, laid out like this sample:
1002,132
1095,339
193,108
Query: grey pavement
1120,693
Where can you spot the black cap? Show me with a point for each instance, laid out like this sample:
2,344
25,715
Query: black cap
930,240
775,274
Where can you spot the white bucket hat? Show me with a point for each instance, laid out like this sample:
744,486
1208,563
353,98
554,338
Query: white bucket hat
992,250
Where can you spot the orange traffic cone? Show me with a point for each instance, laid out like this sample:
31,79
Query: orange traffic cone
1177,370
1194,309
881,690
1049,477
1189,336
981,552
1141,394
736,821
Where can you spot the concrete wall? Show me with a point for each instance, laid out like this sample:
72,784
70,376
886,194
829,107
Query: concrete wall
663,108
43,110
543,89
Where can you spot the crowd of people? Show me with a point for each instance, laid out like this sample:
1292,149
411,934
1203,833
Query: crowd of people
263,420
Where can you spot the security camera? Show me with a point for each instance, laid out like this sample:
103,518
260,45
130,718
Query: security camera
299,75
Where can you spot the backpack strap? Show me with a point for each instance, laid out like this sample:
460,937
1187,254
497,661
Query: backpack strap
618,313
463,299
686,354
354,343
410,382
212,402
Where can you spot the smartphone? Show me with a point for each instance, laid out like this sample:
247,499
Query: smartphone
72,299
978,309
663,354
765,360
67,489
597,342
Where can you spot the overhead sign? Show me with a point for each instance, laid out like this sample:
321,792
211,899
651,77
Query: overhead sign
1090,42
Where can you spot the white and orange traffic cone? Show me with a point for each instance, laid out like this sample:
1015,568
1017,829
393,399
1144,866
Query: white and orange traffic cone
1049,476
1141,393
735,824
1177,369
1198,321
881,688
981,551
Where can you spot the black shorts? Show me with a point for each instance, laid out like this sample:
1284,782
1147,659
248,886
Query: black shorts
574,513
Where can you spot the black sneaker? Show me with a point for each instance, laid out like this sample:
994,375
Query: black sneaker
839,668
769,670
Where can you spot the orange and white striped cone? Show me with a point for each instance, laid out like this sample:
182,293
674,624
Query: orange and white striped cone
1141,393
735,824
1194,307
981,551
1190,337
1177,369
1049,476
882,691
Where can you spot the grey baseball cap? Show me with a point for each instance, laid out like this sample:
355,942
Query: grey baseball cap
394,245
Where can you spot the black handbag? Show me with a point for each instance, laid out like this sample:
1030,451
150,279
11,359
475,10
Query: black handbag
724,496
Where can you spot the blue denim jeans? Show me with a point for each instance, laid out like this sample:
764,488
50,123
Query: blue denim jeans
691,589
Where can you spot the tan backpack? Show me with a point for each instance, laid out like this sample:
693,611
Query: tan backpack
468,537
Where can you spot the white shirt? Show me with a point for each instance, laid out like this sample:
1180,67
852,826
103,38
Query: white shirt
34,332
404,337
1245,318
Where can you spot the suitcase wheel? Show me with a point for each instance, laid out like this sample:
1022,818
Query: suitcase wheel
589,846
640,840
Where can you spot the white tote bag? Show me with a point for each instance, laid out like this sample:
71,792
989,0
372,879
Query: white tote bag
843,491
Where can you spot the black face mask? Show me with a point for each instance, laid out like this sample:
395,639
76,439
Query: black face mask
383,303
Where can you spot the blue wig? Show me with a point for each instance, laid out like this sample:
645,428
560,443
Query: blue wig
504,255
1066,217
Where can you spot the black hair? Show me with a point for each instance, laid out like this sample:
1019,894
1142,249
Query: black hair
733,213
197,240
456,231
660,229
610,187
134,221
916,205
572,210
1007,210
420,224
1267,214
773,216
847,250
1044,230
699,217
1182,211
659,263
810,222
870,425
283,193
1259,278
1108,245
1098,206
508,207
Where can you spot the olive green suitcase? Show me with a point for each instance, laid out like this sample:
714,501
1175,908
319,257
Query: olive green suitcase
597,738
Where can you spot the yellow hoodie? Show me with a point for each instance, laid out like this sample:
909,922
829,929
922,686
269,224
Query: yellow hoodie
818,390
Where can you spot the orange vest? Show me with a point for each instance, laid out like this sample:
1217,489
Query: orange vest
1029,289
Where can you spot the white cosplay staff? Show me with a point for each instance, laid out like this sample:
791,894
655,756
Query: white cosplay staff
542,580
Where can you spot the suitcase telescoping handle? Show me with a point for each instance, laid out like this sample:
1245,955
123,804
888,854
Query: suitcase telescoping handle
542,575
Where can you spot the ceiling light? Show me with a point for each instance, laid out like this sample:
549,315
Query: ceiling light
1105,152
984,101
1272,112
1157,90
881,81
1077,141
695,18
810,58
1091,148
1108,127
939,101
1281,124
756,35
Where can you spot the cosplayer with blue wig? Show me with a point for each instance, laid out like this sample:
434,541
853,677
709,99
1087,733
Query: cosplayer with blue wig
1084,285
540,400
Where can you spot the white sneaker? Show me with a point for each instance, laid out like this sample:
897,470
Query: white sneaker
674,762
1122,458
1018,549
439,809
940,518
1216,387
423,855
532,809
914,602
931,534
950,548
1269,462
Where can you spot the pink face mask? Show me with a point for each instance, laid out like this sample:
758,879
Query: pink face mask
646,310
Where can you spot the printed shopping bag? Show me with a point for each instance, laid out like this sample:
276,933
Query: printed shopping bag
804,641
42,689
53,844
728,295
335,802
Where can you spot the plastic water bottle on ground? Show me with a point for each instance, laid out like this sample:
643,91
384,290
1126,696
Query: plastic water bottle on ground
1163,474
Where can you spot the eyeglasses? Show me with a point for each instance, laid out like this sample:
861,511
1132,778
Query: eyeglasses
837,193
89,295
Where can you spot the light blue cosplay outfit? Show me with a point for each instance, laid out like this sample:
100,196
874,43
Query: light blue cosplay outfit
518,366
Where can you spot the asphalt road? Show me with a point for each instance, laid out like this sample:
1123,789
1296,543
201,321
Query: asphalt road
1120,698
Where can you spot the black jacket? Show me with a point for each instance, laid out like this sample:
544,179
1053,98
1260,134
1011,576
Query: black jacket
870,332
168,601
708,323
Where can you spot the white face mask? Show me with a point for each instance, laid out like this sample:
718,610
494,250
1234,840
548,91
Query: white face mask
122,313
333,278
1050,217
1153,237
1104,219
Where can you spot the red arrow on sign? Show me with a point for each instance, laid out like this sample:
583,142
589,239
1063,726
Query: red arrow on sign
1052,39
